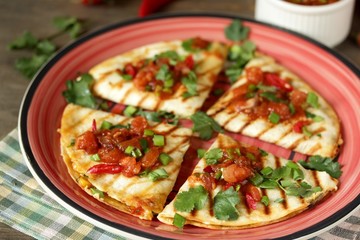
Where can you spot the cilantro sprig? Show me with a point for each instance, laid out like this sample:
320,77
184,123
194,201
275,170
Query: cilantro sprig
323,164
225,204
194,198
42,49
213,155
236,31
204,125
78,91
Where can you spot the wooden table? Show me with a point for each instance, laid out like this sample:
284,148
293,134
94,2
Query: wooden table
36,16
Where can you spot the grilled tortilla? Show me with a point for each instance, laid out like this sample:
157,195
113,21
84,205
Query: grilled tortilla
280,206
205,63
321,135
136,195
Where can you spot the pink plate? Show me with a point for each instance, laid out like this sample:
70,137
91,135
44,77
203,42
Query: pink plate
333,77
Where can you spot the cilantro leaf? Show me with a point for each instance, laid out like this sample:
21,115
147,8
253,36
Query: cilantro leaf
323,164
213,155
78,91
224,204
71,25
194,198
190,82
29,66
236,31
204,125
312,100
26,40
45,47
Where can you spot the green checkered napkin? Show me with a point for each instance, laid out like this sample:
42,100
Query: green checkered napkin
26,207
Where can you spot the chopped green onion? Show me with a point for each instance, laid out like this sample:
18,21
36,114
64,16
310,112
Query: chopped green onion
129,149
72,143
179,221
105,125
287,183
279,200
95,191
159,173
130,111
266,171
274,118
148,132
165,158
201,152
298,174
293,165
257,179
237,150
312,100
159,140
306,132
237,188
318,118
136,153
250,156
168,83
145,172
95,157
265,200
218,175
291,108
269,184
127,77
252,87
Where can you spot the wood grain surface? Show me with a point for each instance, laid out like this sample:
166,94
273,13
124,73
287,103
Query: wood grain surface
36,16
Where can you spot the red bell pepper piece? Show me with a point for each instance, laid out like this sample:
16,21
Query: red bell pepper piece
189,61
106,168
299,125
250,201
273,79
208,169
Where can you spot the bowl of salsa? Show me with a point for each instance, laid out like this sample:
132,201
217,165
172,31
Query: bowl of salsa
326,21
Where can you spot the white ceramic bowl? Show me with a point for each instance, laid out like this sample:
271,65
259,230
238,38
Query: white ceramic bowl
329,24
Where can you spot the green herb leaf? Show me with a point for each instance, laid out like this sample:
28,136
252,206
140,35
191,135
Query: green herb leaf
130,111
172,55
323,164
29,66
95,157
236,31
157,174
312,100
106,125
190,82
201,152
271,96
179,221
159,140
78,91
71,25
213,155
45,47
26,40
95,191
224,204
165,159
257,179
163,72
265,200
194,198
204,125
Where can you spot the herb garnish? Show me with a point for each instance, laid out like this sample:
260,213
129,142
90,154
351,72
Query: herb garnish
194,198
326,164
204,125
236,31
213,155
224,204
78,91
190,82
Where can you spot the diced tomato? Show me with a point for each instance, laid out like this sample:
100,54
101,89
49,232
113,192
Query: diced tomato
87,142
150,158
254,75
111,155
299,125
139,124
298,97
235,173
130,69
134,142
208,181
189,61
208,169
281,109
131,167
274,79
200,43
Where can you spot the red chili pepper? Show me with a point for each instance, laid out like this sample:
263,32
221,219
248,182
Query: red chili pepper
94,128
130,69
250,201
189,62
274,80
299,125
208,169
105,168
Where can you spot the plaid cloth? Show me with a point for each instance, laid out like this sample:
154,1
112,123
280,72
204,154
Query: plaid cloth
26,207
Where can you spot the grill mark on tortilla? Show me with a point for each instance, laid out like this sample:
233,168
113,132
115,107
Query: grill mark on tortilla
267,210
314,148
229,120
283,195
295,143
177,146
319,130
316,178
211,204
140,103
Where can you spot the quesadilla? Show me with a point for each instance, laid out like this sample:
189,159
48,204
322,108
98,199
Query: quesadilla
236,186
272,104
129,164
174,76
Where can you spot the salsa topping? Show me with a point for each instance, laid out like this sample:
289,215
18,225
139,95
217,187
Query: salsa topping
165,72
129,150
267,95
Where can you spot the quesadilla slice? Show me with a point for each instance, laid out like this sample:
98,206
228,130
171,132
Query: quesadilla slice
236,186
129,164
174,76
272,104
